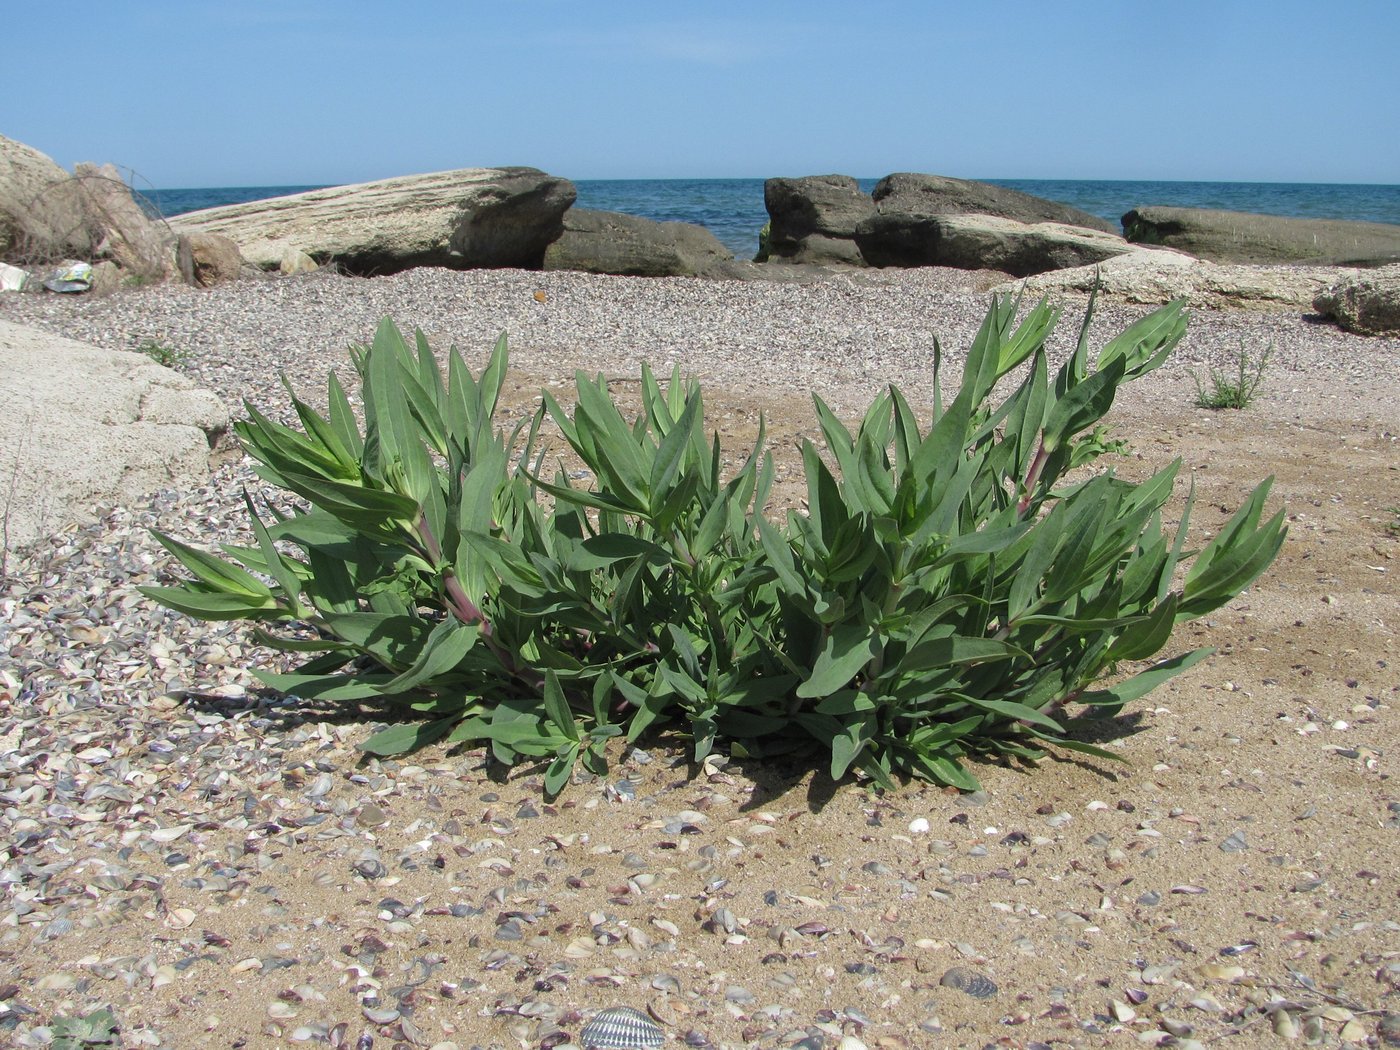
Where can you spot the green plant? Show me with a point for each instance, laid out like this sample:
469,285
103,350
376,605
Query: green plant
169,356
98,1028
950,591
1234,391
765,236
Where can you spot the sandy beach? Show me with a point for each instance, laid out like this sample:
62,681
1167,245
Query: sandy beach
225,869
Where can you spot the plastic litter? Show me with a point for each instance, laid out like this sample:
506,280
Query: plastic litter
71,277
12,278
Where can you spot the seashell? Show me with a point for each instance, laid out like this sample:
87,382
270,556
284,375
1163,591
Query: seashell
969,981
621,1028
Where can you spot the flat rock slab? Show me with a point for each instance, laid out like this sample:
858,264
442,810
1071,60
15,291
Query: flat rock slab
1244,237
914,193
83,427
1159,275
468,218
982,242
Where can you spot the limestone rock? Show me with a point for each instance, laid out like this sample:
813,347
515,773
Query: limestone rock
207,259
41,216
472,217
295,261
910,193
982,242
814,219
120,229
1366,302
1243,237
1160,275
83,427
628,245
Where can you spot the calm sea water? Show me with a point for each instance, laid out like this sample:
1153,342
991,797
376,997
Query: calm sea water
733,209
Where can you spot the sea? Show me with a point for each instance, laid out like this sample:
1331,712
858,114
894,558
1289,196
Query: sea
732,209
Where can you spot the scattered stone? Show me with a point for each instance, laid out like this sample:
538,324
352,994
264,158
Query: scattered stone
208,259
1366,302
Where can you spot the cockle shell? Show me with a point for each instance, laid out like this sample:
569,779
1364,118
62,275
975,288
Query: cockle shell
621,1028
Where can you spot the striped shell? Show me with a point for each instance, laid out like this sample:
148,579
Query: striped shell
621,1028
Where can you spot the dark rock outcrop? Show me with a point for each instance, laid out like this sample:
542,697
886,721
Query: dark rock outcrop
982,242
1243,237
906,193
814,219
629,245
1367,303
465,219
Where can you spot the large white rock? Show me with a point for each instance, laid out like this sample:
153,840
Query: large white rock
1160,275
41,214
473,217
83,428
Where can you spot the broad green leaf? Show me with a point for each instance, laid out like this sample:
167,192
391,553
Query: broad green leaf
556,777
411,736
599,552
208,605
216,573
1014,711
444,650
1142,683
848,648
1087,403
557,708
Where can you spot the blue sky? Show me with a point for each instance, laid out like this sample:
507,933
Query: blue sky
286,92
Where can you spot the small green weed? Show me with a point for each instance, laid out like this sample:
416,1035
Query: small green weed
98,1028
169,356
1234,391
1393,525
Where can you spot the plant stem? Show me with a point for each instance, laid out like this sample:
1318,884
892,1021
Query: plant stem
1032,477
460,602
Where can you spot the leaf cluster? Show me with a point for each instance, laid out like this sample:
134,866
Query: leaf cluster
948,591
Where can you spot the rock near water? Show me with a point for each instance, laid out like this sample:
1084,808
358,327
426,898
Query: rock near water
1367,302
463,219
983,242
814,219
1159,275
626,245
908,193
1243,237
